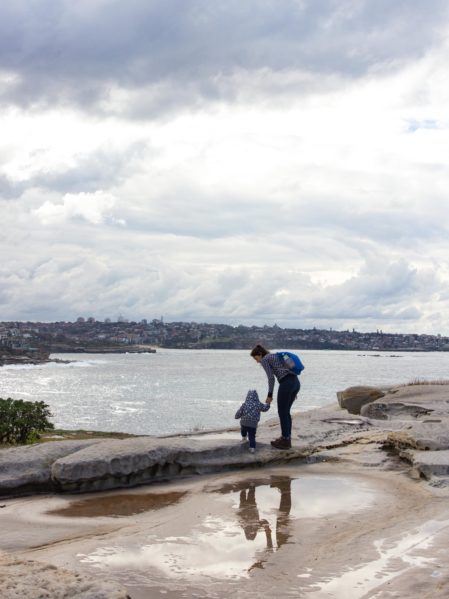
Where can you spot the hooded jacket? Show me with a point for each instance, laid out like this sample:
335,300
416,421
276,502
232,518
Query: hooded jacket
249,411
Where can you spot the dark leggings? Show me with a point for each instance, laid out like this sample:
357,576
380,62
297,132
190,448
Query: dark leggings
288,390
251,432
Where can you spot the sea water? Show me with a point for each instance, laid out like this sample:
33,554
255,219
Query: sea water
179,391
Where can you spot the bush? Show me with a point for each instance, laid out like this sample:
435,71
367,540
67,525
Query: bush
22,421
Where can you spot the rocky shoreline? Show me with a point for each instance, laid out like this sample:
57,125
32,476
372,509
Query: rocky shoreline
35,359
401,429
107,349
410,421
30,361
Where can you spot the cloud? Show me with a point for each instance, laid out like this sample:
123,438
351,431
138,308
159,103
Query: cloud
93,208
10,189
75,53
221,280
100,169
246,163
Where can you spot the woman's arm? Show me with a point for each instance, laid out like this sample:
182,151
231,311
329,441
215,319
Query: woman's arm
270,375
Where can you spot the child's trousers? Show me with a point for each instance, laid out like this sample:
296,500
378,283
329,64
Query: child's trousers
251,432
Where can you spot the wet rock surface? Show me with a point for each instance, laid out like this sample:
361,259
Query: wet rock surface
28,579
319,530
404,429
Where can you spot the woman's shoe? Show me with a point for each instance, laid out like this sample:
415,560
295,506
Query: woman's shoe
281,443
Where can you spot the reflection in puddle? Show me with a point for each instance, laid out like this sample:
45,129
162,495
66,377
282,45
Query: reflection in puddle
118,505
217,551
258,521
251,522
311,497
308,497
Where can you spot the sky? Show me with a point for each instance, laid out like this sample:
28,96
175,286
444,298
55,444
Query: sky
244,162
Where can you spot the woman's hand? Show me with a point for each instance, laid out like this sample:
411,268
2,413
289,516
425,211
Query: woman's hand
269,400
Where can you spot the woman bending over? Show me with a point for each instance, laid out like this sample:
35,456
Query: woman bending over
288,390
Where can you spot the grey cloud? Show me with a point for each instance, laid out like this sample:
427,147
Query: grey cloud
202,257
74,52
369,222
9,189
189,211
59,280
102,169
381,291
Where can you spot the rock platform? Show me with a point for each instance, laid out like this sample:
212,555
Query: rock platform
403,428
412,422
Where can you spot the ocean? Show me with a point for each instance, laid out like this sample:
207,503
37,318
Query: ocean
180,391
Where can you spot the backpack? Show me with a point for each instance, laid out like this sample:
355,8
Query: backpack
291,361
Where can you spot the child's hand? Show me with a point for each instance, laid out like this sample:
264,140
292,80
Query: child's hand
269,400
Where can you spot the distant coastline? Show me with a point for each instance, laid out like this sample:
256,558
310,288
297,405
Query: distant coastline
104,350
26,357
93,336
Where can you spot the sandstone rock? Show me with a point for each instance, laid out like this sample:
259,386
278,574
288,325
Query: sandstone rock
384,411
100,464
424,436
428,464
127,462
28,468
426,402
400,440
26,579
417,417
135,461
353,398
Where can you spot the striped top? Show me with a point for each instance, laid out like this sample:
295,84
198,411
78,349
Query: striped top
274,367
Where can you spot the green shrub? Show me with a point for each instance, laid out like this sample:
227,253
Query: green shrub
22,421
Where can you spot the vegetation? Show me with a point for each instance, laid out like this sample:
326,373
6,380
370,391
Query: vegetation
418,381
75,435
22,421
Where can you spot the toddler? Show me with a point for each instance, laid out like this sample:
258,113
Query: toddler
249,414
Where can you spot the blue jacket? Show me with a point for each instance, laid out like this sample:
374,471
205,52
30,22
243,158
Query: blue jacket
249,411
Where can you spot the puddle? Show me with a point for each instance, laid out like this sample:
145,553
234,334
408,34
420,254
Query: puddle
247,522
308,497
116,506
218,551
352,421
395,558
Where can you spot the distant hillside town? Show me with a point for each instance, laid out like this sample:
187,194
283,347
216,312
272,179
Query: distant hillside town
35,341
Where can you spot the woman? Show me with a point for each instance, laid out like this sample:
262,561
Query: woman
288,390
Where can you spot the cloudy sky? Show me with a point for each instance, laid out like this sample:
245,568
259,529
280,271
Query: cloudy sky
238,161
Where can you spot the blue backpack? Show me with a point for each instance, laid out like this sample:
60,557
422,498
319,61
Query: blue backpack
291,361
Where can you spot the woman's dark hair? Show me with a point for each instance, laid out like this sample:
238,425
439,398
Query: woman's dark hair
259,350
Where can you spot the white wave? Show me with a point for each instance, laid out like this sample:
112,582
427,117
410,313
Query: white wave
85,363
121,409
